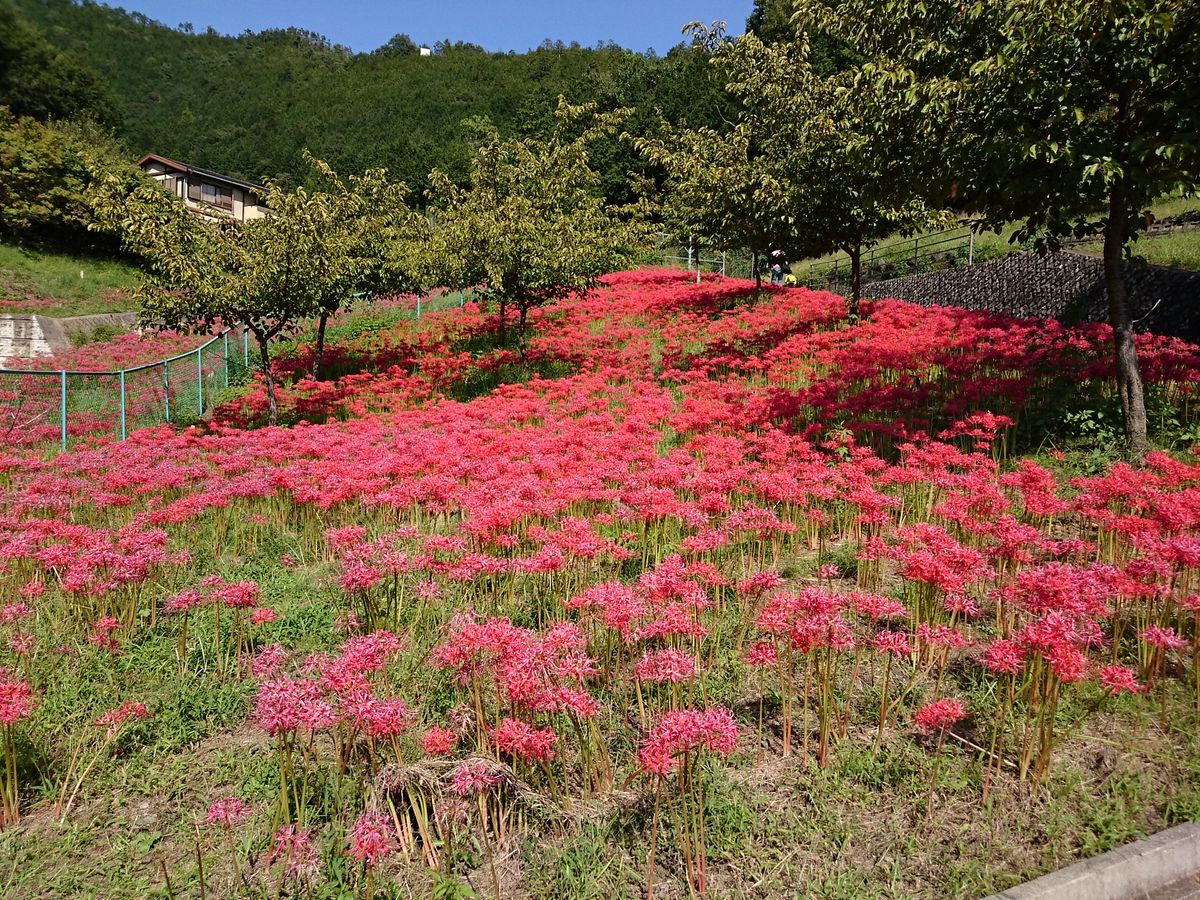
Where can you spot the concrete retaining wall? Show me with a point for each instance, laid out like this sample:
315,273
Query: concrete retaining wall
21,337
24,336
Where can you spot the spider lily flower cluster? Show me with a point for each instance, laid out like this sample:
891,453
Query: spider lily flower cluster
559,588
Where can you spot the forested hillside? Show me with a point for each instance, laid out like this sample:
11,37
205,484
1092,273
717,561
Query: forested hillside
249,105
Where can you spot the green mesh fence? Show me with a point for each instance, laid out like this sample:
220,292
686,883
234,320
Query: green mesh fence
48,408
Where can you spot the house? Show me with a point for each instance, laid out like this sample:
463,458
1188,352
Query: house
208,193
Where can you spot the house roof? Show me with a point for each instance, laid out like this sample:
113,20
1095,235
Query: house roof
203,173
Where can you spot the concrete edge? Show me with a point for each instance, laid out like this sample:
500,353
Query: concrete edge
53,332
1130,872
74,326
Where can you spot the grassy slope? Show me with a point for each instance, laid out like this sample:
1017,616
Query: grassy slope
1180,249
60,284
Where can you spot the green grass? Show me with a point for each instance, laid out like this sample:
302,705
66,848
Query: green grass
1180,249
62,284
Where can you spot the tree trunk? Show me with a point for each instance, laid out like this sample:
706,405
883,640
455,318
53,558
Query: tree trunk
500,334
264,356
1129,379
319,349
855,280
757,271
522,341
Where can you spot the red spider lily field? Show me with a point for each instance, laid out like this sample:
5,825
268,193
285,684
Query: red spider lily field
710,594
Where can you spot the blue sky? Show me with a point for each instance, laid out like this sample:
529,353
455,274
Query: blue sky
497,25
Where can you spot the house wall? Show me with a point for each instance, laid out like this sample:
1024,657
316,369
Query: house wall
245,207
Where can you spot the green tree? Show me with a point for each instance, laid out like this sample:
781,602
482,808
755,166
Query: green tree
721,191
723,186
383,240
269,274
530,228
45,169
1067,117
853,169
41,82
771,22
246,105
804,168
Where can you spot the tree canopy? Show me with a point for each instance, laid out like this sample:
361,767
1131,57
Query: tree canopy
247,106
299,262
808,166
45,170
531,227
1069,117
42,82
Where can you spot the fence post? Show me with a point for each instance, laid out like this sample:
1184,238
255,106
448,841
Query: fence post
462,300
63,407
167,390
225,336
200,380
245,346
418,307
122,404
971,249
722,263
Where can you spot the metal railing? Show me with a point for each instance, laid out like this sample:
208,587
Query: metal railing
46,406
922,253
908,256
697,258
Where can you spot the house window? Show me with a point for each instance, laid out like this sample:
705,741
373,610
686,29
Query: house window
216,196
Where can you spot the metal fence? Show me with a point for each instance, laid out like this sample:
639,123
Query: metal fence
909,256
697,258
922,253
47,407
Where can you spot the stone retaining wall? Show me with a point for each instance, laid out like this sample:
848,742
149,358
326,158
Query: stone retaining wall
1065,286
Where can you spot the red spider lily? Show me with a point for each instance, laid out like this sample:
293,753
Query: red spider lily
16,705
294,846
681,732
371,839
621,529
675,744
665,665
228,813
471,778
268,661
528,744
128,710
13,612
102,634
1118,679
937,718
938,715
264,615
290,705
439,741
